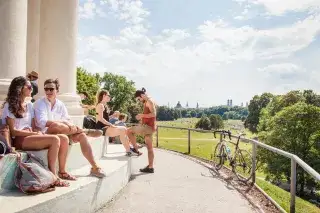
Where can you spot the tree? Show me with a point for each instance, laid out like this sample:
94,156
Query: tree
281,101
87,82
193,113
296,129
203,123
134,109
177,114
255,107
225,116
121,90
216,121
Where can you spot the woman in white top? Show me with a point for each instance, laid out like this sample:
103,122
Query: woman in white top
19,116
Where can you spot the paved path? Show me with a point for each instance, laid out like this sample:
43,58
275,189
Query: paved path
178,185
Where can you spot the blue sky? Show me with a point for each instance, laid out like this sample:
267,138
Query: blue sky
204,51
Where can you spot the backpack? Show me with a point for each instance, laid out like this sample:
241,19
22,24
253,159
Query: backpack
89,122
32,177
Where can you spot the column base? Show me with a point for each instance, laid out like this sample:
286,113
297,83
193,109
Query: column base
4,86
77,120
74,108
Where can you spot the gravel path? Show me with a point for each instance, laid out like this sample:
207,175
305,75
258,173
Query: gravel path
178,185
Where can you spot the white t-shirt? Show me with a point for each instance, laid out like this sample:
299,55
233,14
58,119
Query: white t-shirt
19,123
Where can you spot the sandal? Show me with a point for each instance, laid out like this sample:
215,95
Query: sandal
60,183
97,172
66,176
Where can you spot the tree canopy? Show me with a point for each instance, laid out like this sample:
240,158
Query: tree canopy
290,122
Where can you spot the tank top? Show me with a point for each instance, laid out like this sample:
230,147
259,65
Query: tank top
106,114
99,124
148,121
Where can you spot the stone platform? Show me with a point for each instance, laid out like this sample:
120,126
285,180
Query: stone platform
87,194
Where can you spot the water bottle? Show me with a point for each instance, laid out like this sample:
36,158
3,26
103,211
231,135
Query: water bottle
228,151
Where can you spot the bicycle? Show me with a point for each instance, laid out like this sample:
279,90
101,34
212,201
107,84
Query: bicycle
241,159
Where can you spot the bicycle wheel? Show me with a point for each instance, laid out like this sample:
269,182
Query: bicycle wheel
218,156
242,165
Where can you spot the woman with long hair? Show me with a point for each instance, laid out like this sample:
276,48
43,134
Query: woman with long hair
18,114
108,128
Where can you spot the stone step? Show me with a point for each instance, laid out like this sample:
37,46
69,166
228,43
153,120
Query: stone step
75,160
86,195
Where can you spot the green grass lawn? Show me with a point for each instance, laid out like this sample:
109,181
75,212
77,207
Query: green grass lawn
282,197
202,145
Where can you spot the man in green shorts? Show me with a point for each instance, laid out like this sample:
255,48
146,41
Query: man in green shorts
146,127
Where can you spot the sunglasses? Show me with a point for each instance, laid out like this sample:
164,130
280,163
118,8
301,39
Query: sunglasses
48,89
29,87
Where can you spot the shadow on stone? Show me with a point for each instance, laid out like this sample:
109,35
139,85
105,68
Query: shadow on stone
95,195
119,158
134,176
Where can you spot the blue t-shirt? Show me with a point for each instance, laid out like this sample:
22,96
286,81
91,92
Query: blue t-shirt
113,120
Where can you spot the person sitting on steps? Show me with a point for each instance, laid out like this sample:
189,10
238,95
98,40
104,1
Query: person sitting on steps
19,116
52,117
109,129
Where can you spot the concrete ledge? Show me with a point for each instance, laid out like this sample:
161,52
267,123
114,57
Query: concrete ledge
75,161
87,194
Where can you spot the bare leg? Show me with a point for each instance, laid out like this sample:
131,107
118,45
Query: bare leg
132,138
85,147
88,154
148,139
40,142
122,133
63,152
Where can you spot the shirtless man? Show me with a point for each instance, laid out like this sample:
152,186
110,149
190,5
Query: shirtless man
146,127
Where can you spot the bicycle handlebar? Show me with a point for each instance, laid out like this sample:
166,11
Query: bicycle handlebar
224,132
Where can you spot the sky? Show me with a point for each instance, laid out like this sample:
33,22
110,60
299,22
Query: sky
205,51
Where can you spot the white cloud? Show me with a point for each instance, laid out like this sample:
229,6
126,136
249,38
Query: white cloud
284,71
275,7
131,11
217,58
246,42
89,10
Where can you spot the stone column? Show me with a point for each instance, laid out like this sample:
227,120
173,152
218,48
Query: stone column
33,35
57,52
13,39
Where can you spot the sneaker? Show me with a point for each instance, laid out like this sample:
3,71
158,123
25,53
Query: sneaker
129,154
97,172
135,151
147,170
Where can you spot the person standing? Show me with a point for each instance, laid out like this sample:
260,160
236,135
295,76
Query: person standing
33,78
146,127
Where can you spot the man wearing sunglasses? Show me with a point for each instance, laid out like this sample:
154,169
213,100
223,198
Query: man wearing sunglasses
52,118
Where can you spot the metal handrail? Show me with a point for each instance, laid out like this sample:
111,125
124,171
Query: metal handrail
294,159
